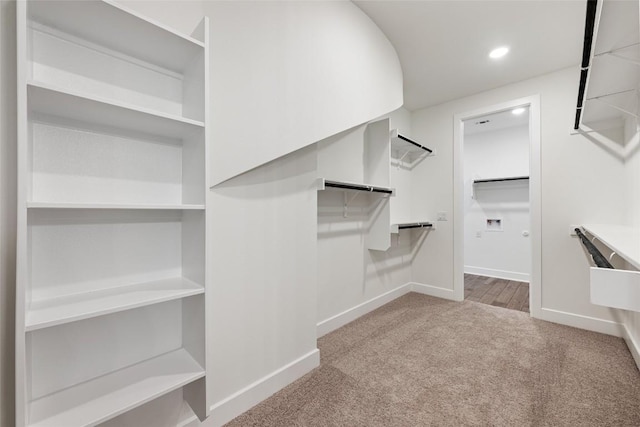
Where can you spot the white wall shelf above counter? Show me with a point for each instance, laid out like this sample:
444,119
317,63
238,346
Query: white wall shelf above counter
74,105
326,184
395,228
623,240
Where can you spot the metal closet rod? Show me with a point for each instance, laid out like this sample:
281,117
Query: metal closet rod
414,225
513,178
357,187
589,27
597,256
404,138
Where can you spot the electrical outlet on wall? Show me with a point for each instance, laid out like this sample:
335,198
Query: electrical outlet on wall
573,229
442,216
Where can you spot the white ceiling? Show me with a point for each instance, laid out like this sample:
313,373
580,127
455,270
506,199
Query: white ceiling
443,46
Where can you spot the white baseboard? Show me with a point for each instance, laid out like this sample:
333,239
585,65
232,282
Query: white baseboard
433,291
634,346
608,327
498,274
224,411
348,316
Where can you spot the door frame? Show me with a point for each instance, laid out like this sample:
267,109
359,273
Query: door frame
535,284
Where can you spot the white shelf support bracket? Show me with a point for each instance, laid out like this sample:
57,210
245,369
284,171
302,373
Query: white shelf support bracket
347,202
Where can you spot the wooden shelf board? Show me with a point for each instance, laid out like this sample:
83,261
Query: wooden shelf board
108,396
47,99
136,36
57,311
65,205
623,240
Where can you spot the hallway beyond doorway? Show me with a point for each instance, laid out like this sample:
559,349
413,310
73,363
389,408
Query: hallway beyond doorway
497,292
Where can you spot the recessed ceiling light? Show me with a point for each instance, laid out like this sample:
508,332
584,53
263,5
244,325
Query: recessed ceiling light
518,111
498,52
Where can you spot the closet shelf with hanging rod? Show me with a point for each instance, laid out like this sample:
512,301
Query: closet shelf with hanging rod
609,286
402,143
325,184
511,178
623,240
609,75
395,228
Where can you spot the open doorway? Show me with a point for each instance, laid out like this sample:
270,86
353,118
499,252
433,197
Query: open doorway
497,249
497,205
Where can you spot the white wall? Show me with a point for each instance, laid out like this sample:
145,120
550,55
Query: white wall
349,274
632,168
7,208
495,154
264,272
568,187
293,73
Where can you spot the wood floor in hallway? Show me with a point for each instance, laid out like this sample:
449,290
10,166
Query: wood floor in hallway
498,292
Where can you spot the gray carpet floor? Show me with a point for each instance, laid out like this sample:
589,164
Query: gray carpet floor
423,361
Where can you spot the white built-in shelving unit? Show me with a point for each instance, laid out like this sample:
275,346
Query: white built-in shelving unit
112,171
613,76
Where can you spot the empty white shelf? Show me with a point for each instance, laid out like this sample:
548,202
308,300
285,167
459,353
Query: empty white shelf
120,29
103,398
56,311
49,100
56,205
623,240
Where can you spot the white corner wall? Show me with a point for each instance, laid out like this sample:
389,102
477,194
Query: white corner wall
8,209
568,188
499,153
265,269
288,74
